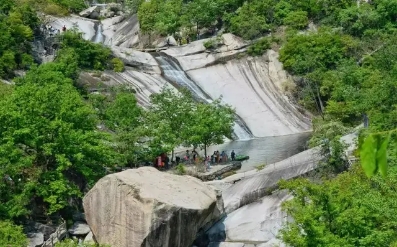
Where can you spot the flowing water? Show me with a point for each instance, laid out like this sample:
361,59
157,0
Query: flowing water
174,73
98,38
266,150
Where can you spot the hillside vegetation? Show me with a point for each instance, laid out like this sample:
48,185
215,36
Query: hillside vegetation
345,66
346,70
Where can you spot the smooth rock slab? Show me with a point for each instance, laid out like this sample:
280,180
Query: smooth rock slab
79,228
257,223
146,207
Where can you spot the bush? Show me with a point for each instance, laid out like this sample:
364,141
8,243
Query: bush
180,169
297,20
118,65
259,47
11,235
54,9
73,243
90,55
213,43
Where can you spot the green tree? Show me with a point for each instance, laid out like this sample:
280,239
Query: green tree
124,116
201,13
11,235
168,20
210,124
168,119
250,21
347,211
89,55
321,50
50,147
297,19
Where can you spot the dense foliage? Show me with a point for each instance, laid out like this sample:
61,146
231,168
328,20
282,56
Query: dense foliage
11,235
17,25
347,211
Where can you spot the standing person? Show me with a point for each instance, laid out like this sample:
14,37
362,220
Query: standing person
233,155
217,156
195,154
207,163
187,155
64,28
223,156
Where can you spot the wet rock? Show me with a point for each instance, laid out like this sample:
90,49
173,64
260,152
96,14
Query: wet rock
35,239
146,207
79,229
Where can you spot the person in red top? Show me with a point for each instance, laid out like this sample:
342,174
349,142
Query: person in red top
63,28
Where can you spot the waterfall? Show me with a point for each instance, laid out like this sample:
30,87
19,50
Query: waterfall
98,38
174,73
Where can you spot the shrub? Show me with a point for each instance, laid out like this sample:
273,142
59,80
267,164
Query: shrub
11,235
180,169
213,42
54,9
73,243
118,65
297,19
260,167
259,47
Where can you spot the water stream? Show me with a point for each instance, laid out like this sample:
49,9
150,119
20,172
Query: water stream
174,73
98,38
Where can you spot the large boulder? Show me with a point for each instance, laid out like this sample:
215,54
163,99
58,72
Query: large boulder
91,12
146,207
140,60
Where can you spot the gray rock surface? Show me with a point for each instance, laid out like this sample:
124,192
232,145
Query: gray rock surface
35,239
163,42
256,87
89,239
91,12
243,188
146,207
258,222
84,25
260,184
79,229
36,227
143,83
121,31
141,60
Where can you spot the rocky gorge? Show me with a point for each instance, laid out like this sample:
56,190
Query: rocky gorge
145,207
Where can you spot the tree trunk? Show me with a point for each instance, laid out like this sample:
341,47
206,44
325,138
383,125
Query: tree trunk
205,151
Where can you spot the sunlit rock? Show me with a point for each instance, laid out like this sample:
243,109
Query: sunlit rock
146,207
